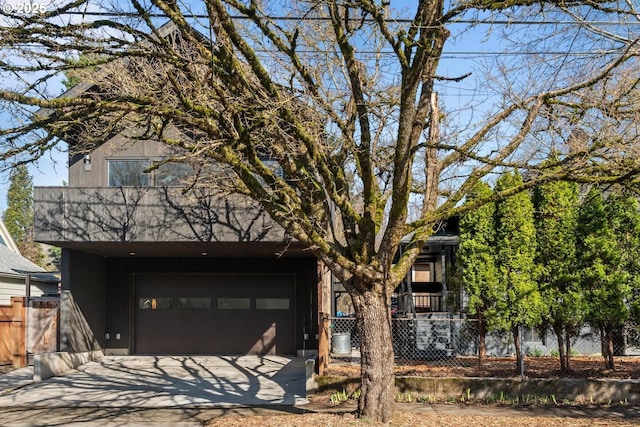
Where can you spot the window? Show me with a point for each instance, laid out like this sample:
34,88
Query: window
423,272
129,173
272,303
194,303
132,173
274,166
155,303
172,174
234,303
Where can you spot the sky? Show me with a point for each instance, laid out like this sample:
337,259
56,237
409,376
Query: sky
51,170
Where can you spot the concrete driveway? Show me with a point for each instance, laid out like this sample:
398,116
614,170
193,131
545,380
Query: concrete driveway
170,382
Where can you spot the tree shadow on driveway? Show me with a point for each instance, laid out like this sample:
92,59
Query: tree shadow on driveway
171,382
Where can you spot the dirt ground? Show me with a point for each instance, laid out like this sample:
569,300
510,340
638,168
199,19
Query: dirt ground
413,419
6,368
505,367
535,367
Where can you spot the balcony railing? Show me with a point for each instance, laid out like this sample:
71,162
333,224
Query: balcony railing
149,214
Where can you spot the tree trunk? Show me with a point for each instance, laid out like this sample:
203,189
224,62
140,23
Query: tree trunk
373,316
558,330
482,340
607,347
518,344
568,347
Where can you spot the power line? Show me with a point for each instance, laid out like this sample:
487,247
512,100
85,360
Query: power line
445,54
453,54
370,20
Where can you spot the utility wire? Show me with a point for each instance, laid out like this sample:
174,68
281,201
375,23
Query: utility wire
369,20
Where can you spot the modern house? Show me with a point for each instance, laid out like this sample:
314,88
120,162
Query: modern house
148,268
155,271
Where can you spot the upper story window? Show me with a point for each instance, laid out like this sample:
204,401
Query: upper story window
129,173
135,173
172,174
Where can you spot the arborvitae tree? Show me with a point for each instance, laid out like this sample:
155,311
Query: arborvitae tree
19,214
556,206
476,258
624,219
521,304
602,259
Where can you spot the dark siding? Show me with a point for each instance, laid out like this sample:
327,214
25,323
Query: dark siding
84,275
120,290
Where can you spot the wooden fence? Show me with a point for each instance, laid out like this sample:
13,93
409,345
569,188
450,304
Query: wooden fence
13,322
28,330
42,328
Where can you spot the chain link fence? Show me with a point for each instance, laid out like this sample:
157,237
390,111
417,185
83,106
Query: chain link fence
440,339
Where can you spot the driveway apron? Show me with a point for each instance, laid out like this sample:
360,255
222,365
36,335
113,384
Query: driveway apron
170,382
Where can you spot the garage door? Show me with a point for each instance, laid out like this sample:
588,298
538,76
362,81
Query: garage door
214,314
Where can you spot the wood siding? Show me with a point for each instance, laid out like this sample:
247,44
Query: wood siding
13,333
117,147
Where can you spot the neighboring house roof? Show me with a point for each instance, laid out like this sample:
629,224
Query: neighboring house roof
12,263
6,240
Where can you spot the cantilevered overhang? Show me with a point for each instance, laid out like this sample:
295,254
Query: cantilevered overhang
156,221
191,249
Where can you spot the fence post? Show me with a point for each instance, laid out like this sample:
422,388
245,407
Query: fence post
18,332
323,343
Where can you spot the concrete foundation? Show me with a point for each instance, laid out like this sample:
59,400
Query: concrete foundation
54,364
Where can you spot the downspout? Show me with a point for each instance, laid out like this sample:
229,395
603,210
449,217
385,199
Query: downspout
27,300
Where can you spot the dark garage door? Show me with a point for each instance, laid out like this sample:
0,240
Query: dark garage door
214,314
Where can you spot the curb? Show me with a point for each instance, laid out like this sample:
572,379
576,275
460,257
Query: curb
596,391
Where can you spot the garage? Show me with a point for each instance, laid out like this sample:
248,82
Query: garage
214,313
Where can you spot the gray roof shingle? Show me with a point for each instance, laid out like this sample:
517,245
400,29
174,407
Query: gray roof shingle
14,263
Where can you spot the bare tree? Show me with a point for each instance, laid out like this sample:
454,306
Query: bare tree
344,96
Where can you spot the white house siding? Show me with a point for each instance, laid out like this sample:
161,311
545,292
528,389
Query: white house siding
15,287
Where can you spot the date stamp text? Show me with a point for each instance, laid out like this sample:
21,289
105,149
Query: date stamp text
23,8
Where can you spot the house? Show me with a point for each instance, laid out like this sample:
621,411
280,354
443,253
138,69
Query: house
150,269
20,277
23,286
155,271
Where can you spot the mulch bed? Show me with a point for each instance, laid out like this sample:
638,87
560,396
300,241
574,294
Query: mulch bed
505,367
